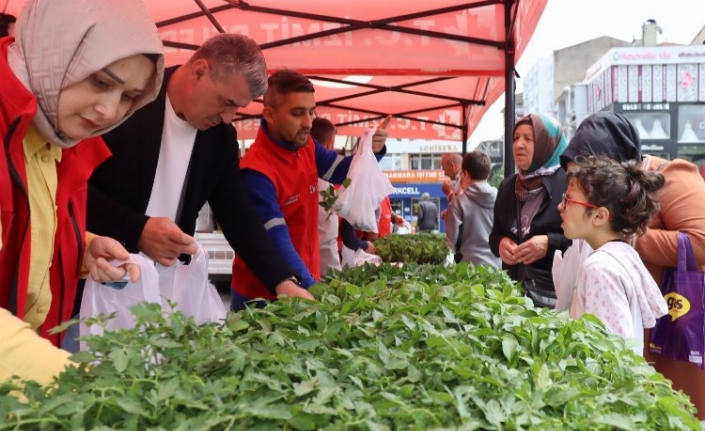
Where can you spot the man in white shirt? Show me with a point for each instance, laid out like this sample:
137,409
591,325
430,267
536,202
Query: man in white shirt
179,153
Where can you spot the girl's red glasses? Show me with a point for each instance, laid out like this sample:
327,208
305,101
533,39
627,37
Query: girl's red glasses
566,199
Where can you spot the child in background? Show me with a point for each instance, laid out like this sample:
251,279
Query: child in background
471,214
605,204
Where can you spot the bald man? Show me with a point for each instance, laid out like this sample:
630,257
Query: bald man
452,164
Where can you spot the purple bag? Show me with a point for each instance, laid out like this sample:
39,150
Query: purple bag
680,334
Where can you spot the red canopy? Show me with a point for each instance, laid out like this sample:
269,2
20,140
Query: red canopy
436,66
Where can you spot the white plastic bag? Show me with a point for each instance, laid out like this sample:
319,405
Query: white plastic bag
404,229
188,287
102,299
565,271
358,257
369,186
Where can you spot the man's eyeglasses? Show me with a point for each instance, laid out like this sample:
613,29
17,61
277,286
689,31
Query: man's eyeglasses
566,199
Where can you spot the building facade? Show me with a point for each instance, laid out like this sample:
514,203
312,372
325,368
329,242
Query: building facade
661,90
550,86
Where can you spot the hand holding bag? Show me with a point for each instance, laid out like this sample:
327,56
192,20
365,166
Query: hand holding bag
105,299
368,188
681,333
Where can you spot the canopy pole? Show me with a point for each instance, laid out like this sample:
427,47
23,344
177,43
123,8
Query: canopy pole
465,128
509,97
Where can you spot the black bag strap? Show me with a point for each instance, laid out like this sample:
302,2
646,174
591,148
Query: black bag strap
518,221
459,239
522,270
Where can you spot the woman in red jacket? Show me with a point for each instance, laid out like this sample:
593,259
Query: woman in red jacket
75,70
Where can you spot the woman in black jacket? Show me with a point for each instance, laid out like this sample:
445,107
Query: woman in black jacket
527,226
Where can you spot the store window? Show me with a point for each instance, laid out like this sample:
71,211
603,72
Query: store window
693,153
391,162
691,124
651,125
425,161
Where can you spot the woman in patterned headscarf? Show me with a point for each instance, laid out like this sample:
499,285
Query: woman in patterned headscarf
526,230
74,70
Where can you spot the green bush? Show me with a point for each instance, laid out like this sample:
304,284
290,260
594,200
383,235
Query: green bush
497,178
421,248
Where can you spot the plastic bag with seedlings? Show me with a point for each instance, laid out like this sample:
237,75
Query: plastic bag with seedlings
368,187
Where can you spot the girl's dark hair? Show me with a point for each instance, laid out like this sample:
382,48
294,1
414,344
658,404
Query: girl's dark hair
625,189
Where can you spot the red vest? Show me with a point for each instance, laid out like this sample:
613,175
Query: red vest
384,227
295,179
17,109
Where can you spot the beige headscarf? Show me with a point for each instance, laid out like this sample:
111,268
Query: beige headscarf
59,43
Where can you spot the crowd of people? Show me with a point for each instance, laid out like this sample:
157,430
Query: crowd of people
586,226
73,200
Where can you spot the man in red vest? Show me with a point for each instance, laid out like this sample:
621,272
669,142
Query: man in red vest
280,173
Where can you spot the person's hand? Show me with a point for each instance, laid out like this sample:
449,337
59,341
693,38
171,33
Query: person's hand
447,187
507,251
163,241
289,288
443,214
369,236
532,249
380,136
371,249
100,250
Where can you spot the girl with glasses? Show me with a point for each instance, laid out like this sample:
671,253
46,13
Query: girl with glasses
605,204
682,209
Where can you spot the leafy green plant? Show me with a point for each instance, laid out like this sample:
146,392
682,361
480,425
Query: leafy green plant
330,195
422,248
497,178
414,348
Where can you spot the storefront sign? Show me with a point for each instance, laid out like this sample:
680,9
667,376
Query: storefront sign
652,147
415,190
426,176
407,191
660,55
645,107
405,146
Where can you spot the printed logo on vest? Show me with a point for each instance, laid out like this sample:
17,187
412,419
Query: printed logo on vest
292,199
313,188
